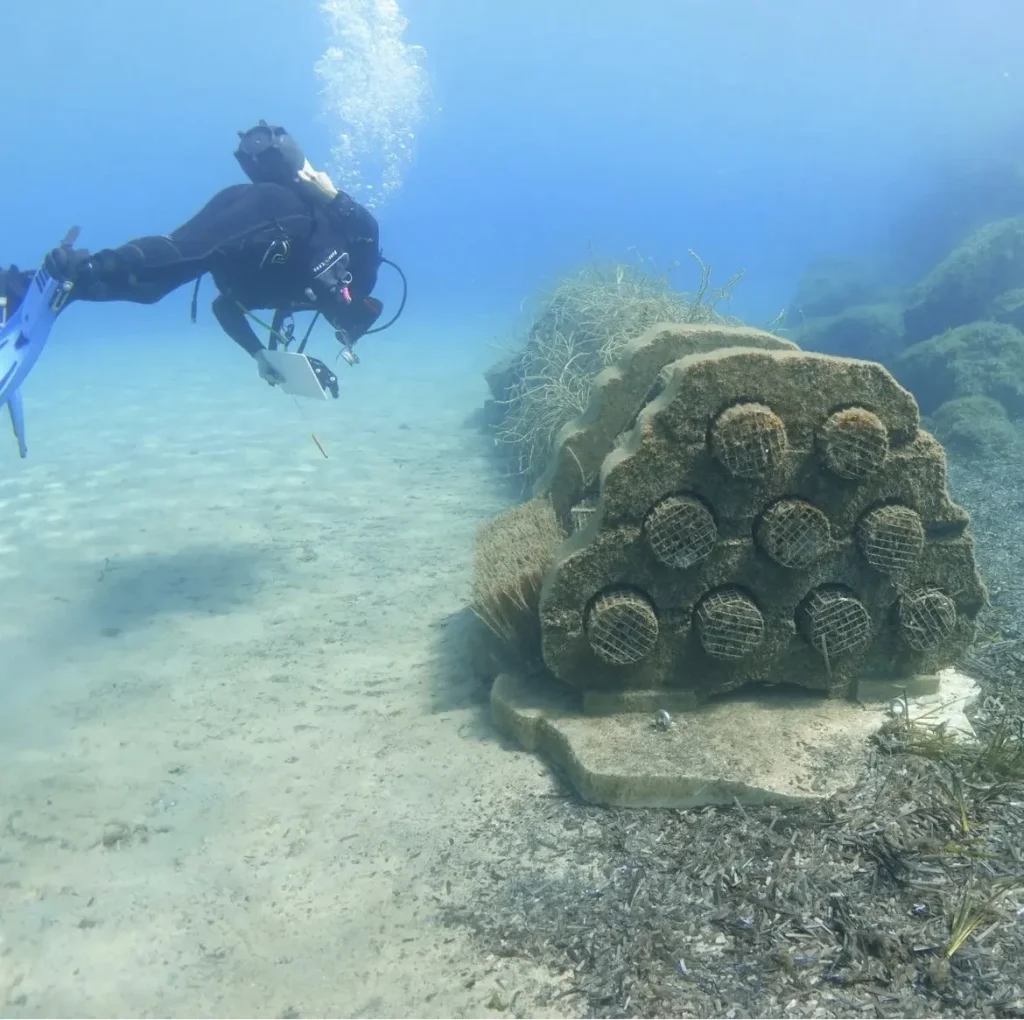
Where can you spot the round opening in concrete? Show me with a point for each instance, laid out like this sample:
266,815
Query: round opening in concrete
749,440
890,538
927,618
729,623
834,621
622,627
794,533
854,443
681,531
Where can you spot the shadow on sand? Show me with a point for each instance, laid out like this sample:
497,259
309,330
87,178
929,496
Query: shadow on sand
130,592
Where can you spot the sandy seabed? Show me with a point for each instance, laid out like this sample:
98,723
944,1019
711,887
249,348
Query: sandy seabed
242,755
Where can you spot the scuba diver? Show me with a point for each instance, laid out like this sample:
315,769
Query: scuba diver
289,240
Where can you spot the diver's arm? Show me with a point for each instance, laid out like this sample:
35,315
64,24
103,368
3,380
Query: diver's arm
318,183
323,189
233,321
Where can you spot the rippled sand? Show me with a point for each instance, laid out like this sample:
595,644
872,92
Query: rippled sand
241,753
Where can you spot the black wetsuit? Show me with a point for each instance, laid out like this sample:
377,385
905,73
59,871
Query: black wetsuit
265,246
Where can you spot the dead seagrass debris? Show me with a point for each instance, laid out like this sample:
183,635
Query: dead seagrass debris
589,322
512,554
904,891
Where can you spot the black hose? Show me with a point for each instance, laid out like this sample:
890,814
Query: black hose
401,306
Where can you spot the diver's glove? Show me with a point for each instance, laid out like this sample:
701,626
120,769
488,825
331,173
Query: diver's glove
359,317
68,265
317,182
348,347
268,373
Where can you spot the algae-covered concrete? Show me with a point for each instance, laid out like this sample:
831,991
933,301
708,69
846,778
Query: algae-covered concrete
619,393
774,516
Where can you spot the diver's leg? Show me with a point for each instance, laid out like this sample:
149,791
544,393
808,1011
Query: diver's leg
148,268
142,271
254,214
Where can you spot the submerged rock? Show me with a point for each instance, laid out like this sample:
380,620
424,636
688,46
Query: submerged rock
1009,308
961,288
832,285
871,332
975,427
982,359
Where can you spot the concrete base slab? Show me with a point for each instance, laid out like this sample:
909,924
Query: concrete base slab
767,746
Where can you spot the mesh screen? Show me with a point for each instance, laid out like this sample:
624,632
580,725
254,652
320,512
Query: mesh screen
730,624
834,622
854,443
891,538
927,618
680,531
749,440
794,533
622,627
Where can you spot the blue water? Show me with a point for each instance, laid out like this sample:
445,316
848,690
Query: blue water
203,617
760,135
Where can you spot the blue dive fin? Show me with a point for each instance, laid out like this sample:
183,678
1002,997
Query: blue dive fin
23,335
17,411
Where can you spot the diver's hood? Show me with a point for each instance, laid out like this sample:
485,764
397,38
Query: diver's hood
268,154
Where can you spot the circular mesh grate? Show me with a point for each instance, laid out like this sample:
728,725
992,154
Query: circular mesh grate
891,538
854,443
622,627
730,624
834,621
749,440
680,531
927,618
794,533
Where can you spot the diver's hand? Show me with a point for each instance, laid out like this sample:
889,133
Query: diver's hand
267,371
67,264
318,182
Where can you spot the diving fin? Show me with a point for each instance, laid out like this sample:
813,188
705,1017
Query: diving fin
17,411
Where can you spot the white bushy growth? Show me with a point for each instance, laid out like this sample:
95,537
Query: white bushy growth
375,91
